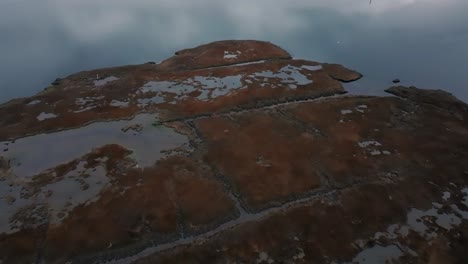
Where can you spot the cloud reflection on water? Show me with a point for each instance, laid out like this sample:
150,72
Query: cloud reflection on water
419,41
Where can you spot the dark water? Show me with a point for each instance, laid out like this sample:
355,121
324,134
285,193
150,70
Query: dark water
421,42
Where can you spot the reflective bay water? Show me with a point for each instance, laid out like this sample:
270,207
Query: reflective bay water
421,42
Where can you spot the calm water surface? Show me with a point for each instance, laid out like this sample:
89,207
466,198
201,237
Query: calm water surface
421,42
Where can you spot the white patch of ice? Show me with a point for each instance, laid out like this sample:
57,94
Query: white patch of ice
231,55
117,103
84,109
446,196
104,81
43,116
88,101
365,144
288,75
361,108
210,87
